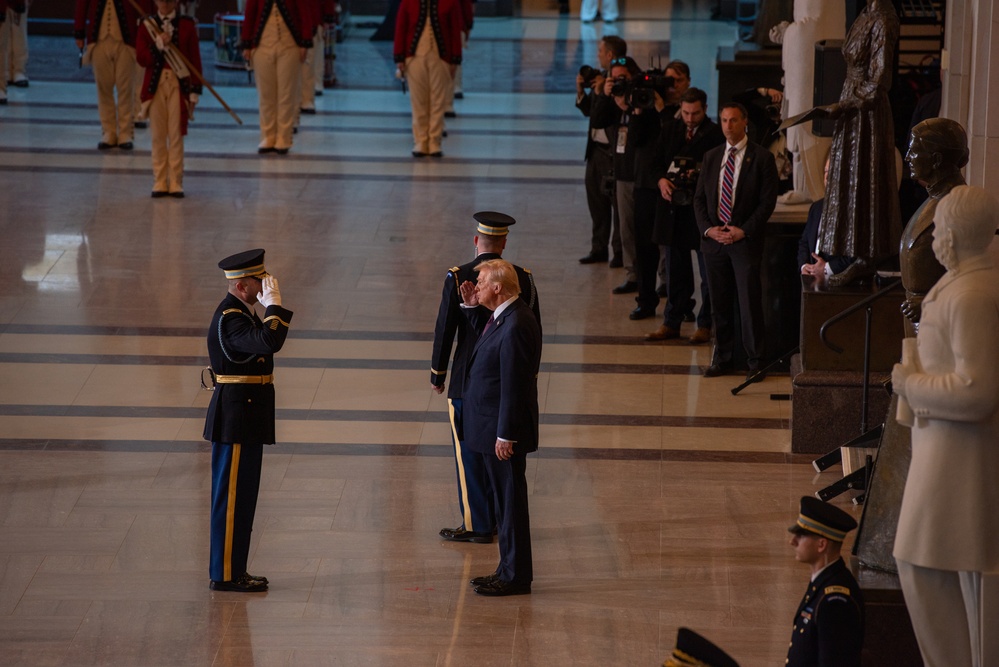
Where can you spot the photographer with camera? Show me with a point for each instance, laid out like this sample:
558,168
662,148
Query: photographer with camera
628,113
679,152
599,177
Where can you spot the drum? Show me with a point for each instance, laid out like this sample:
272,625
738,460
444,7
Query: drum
228,30
329,56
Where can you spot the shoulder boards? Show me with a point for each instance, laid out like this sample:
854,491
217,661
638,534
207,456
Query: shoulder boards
527,271
829,590
454,270
231,310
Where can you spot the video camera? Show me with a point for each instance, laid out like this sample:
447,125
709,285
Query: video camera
640,92
683,173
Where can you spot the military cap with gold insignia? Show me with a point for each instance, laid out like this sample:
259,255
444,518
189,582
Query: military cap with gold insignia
693,650
492,223
247,264
820,518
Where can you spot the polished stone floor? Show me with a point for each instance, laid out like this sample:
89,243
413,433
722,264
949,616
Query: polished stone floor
658,498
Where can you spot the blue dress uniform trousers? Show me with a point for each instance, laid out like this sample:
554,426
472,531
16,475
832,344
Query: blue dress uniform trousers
474,490
235,482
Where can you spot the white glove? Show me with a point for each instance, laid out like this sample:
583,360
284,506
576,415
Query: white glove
271,296
160,42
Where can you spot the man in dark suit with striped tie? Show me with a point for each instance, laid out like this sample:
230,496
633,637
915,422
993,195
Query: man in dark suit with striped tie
736,194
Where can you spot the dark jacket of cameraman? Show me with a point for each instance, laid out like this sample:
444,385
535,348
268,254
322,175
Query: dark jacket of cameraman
585,105
676,224
642,131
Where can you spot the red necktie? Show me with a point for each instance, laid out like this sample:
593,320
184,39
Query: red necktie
488,326
690,133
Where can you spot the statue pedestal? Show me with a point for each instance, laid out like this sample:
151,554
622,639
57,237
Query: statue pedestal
826,388
888,635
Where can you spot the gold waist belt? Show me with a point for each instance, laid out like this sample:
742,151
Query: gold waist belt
244,379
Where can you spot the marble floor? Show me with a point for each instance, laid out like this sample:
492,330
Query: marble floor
658,498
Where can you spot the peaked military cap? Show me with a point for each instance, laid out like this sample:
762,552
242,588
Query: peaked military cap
822,519
248,264
492,223
693,650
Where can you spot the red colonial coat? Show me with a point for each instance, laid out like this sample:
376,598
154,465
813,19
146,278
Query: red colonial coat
447,24
185,38
87,20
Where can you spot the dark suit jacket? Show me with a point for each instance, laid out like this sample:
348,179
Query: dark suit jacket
501,383
462,326
240,344
585,106
755,196
675,225
829,624
806,245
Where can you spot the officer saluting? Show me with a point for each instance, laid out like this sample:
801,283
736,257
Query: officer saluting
693,650
456,321
240,417
829,624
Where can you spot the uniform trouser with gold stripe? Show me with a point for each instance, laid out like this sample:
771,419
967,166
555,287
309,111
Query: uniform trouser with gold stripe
277,68
114,68
476,502
235,482
429,84
167,139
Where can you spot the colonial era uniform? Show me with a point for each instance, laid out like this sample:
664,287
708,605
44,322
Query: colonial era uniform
275,30
322,13
468,13
13,44
168,97
240,418
109,27
428,40
828,627
460,327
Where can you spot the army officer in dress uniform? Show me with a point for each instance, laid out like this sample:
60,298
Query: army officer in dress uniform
459,326
240,417
829,624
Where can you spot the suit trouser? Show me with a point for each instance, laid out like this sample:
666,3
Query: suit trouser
235,484
680,284
626,214
646,250
278,70
114,68
945,609
475,496
509,482
734,274
166,135
18,45
603,211
429,83
588,10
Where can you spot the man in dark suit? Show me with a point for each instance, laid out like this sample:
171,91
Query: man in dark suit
810,259
686,138
735,195
501,417
459,326
240,418
829,624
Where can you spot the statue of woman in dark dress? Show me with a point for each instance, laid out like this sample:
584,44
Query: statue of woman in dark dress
861,215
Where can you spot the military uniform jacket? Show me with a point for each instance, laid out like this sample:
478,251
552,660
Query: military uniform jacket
829,624
240,344
462,326
185,38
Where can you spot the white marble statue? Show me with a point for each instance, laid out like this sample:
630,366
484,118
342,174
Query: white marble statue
814,21
948,527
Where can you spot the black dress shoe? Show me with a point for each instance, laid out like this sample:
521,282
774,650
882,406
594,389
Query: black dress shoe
310,112
626,287
157,194
140,124
103,146
437,154
450,114
177,195
718,369
594,258
482,581
419,154
21,83
500,588
265,150
243,584
251,577
641,313
458,95
282,151
459,534
126,146
616,262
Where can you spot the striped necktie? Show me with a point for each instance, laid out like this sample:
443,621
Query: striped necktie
728,183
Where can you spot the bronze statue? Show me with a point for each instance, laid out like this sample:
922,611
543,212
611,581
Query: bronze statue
938,150
861,216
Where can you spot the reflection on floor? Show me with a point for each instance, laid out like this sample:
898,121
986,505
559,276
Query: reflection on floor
658,498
